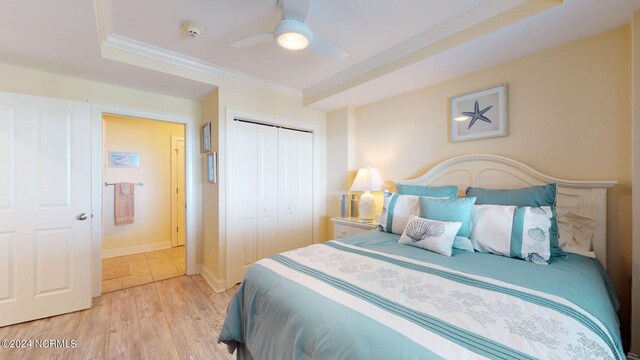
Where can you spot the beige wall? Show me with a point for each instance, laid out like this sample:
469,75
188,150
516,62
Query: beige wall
152,139
210,193
40,83
635,136
340,160
569,117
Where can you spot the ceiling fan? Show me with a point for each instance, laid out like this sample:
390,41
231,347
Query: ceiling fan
293,33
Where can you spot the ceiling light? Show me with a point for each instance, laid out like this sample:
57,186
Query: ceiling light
293,34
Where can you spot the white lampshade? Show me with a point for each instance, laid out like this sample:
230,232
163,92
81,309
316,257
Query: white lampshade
368,179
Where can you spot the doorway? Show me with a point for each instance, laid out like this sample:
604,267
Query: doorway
143,201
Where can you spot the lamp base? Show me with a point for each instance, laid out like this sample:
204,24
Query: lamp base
367,206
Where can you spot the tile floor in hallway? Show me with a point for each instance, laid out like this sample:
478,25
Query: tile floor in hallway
126,271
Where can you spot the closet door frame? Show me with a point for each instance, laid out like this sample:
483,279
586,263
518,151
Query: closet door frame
319,176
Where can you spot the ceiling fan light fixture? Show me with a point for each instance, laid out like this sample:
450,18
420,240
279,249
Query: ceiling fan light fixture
293,34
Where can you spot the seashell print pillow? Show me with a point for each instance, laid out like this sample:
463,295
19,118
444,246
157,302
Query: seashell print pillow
576,233
432,235
534,196
521,232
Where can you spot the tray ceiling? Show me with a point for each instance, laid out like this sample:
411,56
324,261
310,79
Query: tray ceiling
393,47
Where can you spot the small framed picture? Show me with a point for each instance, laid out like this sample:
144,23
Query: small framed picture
120,159
205,138
479,114
212,165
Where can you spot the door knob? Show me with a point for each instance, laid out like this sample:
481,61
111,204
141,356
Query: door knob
82,217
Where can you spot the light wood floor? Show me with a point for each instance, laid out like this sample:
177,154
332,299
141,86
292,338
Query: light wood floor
179,318
126,271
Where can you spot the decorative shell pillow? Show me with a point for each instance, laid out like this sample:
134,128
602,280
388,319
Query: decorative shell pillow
534,196
432,235
576,233
521,232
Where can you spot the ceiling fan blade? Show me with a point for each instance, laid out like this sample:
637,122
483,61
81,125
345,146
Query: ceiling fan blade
253,41
294,9
327,48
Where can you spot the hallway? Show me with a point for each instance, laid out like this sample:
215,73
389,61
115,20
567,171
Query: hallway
126,271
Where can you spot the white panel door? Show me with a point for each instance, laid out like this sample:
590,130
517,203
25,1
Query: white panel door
45,186
242,199
267,182
295,186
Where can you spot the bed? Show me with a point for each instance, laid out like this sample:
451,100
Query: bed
369,297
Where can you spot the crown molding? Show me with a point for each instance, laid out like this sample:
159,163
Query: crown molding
140,48
478,21
128,45
487,17
103,18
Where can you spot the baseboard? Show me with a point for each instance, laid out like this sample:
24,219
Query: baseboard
216,284
135,249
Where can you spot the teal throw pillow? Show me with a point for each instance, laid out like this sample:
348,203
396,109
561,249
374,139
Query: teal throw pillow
456,210
448,191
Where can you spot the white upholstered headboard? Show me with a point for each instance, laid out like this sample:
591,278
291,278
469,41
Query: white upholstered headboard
497,172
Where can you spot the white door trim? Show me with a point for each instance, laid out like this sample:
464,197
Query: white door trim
174,185
97,183
318,193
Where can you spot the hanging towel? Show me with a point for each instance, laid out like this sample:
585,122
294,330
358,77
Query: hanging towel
123,203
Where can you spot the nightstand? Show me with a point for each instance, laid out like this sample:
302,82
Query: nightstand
343,227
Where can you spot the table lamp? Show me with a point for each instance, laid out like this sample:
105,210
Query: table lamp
368,179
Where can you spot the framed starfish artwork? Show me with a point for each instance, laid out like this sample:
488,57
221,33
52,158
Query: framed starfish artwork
479,114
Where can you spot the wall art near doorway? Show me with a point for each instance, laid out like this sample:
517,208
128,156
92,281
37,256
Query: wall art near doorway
205,138
122,159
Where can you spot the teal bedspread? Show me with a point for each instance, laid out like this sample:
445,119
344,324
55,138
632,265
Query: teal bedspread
367,297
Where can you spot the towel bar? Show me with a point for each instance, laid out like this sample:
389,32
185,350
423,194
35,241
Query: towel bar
113,184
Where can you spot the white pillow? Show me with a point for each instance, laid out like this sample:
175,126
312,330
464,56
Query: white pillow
396,211
491,229
515,231
432,235
576,233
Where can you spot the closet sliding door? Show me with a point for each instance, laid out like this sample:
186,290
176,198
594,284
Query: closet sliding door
269,195
295,189
242,191
267,186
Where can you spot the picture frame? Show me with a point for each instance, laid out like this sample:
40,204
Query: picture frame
212,167
480,114
122,159
205,138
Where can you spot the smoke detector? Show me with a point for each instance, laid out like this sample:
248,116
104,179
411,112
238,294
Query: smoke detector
192,29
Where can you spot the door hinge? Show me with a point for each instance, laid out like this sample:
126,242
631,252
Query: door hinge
177,229
176,190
